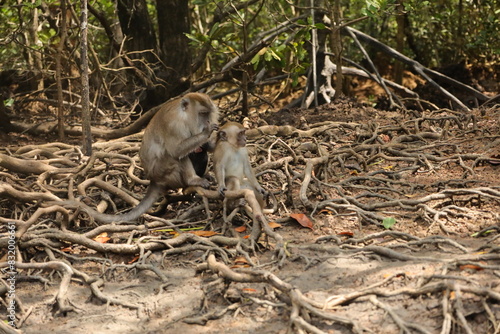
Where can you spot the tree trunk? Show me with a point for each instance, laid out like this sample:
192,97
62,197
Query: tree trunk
336,44
138,29
86,129
5,125
173,24
60,50
31,42
400,41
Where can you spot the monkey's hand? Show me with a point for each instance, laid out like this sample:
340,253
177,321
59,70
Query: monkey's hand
222,191
262,191
211,127
199,182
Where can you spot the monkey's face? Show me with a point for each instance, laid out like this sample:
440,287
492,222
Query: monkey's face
198,112
234,135
207,114
241,138
204,118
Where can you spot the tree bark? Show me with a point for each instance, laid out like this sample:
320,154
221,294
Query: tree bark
60,50
138,29
5,125
37,56
336,44
86,129
173,24
400,41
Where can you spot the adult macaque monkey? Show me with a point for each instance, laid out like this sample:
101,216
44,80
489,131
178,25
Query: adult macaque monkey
231,163
182,126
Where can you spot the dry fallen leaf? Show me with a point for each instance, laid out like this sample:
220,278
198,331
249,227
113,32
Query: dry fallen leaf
133,260
240,229
203,233
240,260
274,225
102,238
385,138
302,219
470,266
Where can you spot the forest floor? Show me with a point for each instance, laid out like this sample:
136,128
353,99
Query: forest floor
431,177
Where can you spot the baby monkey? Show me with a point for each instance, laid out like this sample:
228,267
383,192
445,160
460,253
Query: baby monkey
231,163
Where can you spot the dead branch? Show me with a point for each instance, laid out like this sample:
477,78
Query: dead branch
423,71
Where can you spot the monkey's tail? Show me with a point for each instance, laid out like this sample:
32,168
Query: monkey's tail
148,200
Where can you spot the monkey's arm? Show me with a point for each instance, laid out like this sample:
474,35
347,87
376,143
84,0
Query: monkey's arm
184,147
250,175
221,178
212,141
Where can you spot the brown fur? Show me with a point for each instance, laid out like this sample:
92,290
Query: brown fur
179,128
232,165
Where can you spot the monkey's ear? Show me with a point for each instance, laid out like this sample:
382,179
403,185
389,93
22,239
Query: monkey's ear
221,135
184,104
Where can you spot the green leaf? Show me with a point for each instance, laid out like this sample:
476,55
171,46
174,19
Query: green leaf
476,235
33,5
212,33
255,61
388,222
9,102
274,55
192,38
280,48
268,56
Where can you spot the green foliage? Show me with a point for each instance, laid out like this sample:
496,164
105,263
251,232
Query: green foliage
9,102
483,233
276,56
388,222
286,53
439,33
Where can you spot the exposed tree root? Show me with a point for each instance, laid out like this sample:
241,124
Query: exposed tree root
330,171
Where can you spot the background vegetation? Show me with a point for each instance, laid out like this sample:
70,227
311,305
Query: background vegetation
144,52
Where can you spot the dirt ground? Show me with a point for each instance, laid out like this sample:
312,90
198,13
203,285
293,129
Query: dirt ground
349,169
